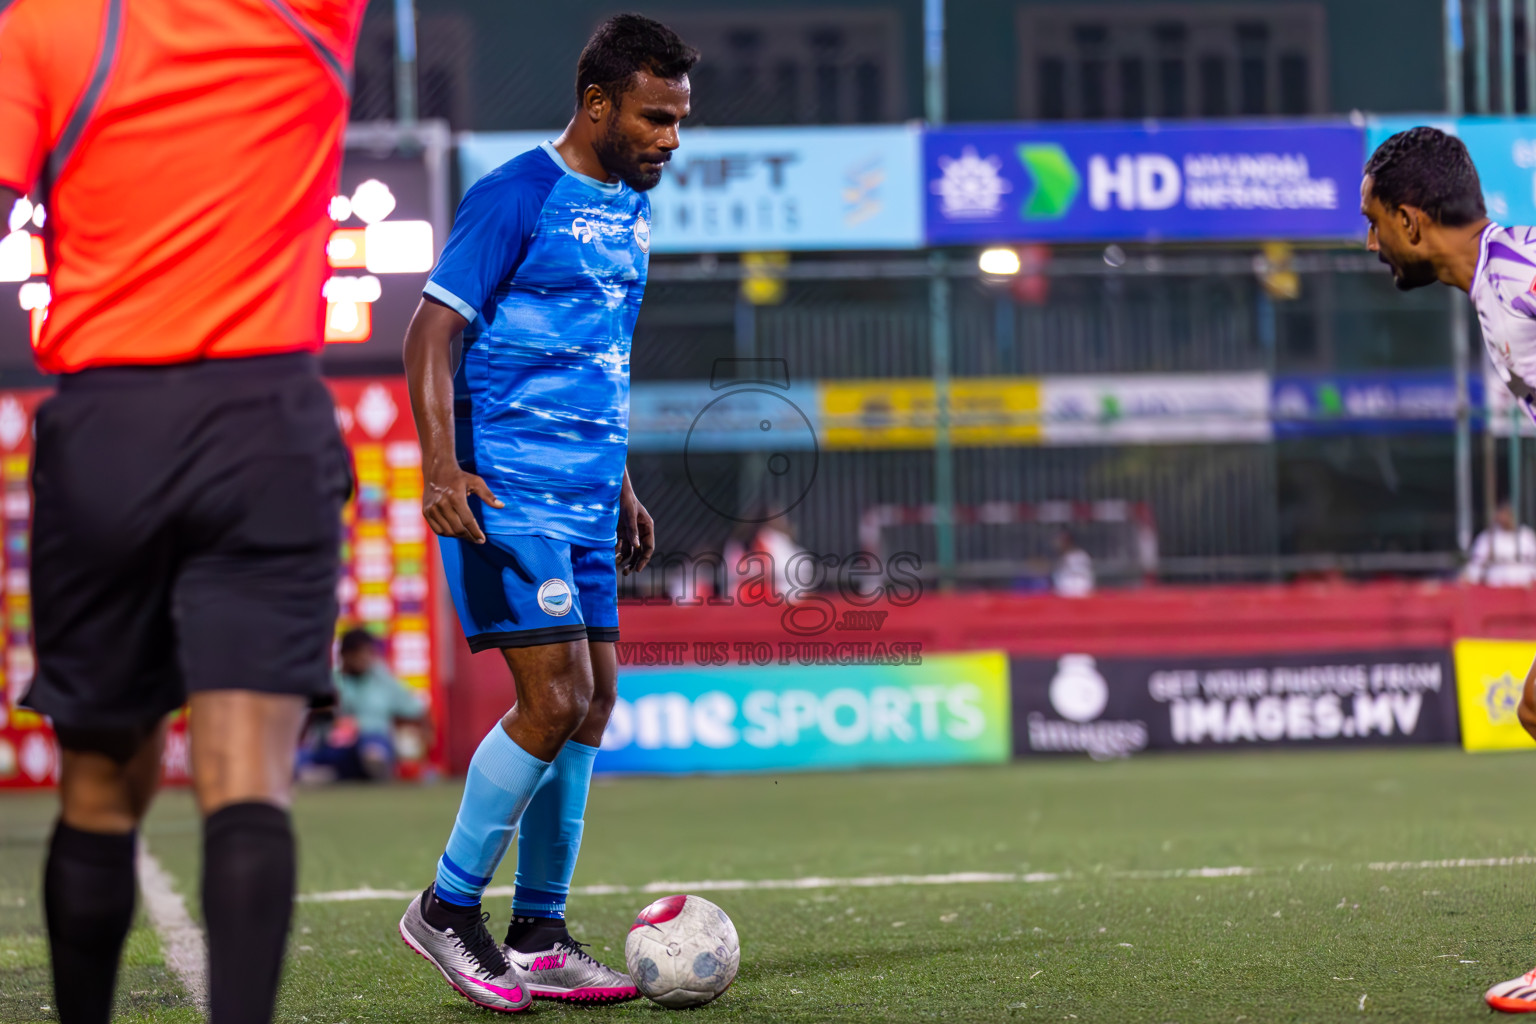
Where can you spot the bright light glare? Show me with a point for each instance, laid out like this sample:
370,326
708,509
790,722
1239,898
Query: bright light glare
398,247
340,208
373,201
353,289
340,249
39,216
343,317
1002,262
21,212
16,256
34,295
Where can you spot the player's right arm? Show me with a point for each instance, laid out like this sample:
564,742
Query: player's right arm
488,241
429,367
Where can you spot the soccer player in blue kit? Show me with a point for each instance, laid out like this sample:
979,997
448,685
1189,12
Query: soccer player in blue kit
523,452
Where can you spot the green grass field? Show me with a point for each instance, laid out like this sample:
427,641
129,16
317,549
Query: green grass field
1124,933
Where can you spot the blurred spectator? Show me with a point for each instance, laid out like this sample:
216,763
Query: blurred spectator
359,742
1073,575
1503,556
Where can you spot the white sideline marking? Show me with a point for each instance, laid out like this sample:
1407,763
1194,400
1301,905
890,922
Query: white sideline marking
1462,862
181,939
957,878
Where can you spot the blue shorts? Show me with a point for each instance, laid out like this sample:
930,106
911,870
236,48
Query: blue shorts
524,591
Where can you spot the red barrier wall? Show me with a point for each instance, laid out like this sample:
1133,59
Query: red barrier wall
1154,620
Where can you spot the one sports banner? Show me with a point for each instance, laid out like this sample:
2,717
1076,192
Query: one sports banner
1490,678
776,713
1114,707
1185,181
757,189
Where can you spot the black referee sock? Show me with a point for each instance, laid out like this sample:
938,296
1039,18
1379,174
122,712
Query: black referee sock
88,894
248,882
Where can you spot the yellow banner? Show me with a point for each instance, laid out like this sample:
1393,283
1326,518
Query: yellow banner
1490,676
903,413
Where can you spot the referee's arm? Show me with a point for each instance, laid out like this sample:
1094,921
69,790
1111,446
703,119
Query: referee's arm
429,368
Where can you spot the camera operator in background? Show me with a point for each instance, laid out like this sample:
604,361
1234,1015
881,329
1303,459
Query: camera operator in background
358,742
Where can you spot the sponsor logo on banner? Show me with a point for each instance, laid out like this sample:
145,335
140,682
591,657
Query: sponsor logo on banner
1490,679
1385,402
1079,694
1173,181
1155,408
1378,697
948,709
765,189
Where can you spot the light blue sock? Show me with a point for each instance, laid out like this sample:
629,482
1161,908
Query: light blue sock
550,838
502,779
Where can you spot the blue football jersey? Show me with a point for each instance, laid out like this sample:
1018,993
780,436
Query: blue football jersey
549,266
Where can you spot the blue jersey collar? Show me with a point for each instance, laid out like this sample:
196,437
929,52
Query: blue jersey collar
611,188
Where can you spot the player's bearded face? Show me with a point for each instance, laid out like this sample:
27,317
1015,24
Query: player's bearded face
638,166
1408,272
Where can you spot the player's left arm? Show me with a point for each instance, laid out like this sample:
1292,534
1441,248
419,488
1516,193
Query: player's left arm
637,531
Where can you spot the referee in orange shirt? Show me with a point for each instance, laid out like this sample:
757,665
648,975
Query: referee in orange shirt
189,475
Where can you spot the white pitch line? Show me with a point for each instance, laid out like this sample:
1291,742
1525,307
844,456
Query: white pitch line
957,878
180,938
1462,862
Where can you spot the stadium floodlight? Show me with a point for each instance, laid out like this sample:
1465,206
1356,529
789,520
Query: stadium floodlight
1000,262
34,295
340,208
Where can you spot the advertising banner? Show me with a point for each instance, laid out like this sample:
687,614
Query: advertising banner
1115,707
1381,402
762,189
1163,182
775,713
387,584
903,412
1503,148
1490,678
1156,408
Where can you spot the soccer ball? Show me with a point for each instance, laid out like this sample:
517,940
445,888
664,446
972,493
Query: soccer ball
682,951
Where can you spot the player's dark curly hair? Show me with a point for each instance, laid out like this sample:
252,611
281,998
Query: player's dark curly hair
626,44
1427,168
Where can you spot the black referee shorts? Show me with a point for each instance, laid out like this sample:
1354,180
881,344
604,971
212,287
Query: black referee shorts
185,536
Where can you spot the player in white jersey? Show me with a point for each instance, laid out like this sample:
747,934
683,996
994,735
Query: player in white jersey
1423,199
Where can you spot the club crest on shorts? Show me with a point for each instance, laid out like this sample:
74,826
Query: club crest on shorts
555,597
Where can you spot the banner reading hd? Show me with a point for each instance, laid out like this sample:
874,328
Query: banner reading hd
1490,678
1154,182
944,709
755,189
1114,707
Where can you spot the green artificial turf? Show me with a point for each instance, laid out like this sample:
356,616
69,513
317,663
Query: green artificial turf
1123,932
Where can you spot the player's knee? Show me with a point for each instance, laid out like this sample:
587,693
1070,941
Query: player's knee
600,707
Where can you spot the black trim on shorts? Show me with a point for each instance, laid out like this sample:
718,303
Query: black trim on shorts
527,637
602,634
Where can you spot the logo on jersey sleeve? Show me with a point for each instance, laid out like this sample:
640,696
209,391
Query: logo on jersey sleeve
555,597
643,235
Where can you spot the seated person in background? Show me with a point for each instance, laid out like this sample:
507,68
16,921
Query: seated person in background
359,743
1073,575
1501,555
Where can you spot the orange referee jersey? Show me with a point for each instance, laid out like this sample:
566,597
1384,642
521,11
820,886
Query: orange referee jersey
188,150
